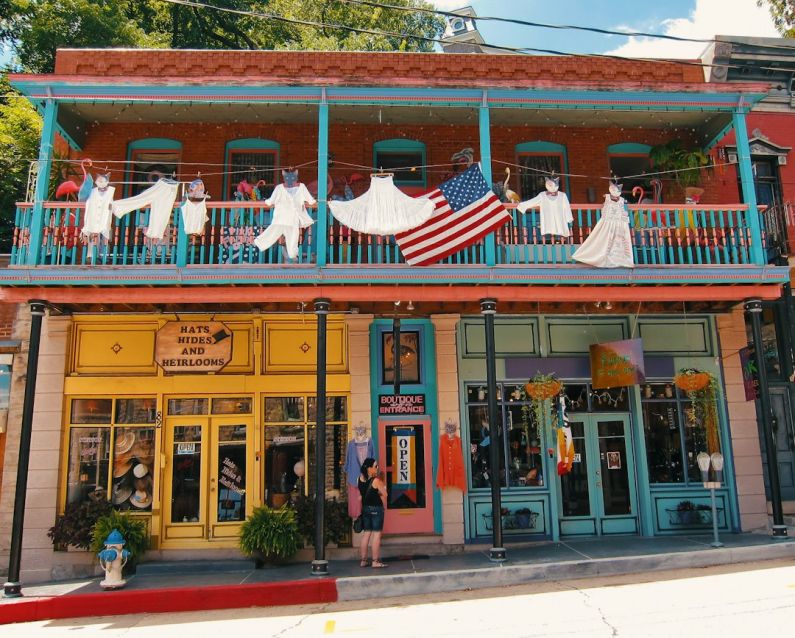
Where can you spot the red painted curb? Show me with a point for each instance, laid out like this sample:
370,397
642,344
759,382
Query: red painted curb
175,599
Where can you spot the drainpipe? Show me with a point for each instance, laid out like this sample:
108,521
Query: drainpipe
488,308
13,588
320,564
754,309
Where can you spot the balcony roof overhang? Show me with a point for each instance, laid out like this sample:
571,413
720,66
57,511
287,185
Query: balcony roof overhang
703,108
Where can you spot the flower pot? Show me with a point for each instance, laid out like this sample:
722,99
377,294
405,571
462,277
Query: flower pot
541,390
692,382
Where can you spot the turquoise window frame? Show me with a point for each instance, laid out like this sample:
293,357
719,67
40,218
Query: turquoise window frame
544,148
400,145
149,144
251,144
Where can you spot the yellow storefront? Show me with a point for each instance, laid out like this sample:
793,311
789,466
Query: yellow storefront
191,434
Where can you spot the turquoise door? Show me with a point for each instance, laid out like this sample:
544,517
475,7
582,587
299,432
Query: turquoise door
598,497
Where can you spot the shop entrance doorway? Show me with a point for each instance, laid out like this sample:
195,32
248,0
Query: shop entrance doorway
598,497
205,478
404,450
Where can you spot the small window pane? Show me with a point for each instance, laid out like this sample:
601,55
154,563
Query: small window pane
389,160
336,409
336,441
536,168
524,446
149,166
409,357
663,444
89,459
136,410
252,166
279,409
576,397
480,441
133,463
92,410
187,407
231,469
284,448
234,405
186,474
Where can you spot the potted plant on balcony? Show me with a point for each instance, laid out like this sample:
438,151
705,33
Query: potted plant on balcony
683,165
701,387
270,535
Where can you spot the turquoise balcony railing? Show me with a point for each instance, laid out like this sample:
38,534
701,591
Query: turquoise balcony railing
662,235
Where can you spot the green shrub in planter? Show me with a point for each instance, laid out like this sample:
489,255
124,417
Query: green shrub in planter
270,534
133,531
73,528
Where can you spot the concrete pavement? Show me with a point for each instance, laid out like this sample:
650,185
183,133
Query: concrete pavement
174,587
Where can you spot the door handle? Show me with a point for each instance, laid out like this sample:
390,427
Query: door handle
598,473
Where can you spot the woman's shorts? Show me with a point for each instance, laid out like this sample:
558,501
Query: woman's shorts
372,518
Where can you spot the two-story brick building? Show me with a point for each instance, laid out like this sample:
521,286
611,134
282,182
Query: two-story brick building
126,405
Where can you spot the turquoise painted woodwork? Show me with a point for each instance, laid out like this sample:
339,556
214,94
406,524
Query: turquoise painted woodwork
401,145
747,182
670,518
322,178
541,147
246,144
628,148
36,219
484,128
427,386
535,525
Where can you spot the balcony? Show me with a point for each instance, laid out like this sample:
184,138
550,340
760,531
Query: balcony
670,236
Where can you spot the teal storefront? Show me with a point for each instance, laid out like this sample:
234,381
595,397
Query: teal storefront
634,470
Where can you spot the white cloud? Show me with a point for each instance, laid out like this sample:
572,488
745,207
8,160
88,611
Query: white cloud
708,19
450,5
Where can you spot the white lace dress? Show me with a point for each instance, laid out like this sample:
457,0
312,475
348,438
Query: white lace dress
609,245
383,209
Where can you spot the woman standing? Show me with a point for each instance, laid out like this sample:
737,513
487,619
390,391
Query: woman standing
373,493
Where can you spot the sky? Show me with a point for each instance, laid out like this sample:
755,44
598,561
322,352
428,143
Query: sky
684,18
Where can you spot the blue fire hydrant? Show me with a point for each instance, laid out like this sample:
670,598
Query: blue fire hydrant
112,559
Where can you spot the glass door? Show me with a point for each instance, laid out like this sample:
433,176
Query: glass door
598,496
206,477
405,459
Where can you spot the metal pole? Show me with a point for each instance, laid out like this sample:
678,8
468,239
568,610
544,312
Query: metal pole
488,308
320,564
13,588
715,540
754,309
396,354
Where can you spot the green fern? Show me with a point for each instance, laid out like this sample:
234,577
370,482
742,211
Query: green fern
133,531
271,532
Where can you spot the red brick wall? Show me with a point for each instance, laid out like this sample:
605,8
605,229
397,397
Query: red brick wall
353,144
370,67
8,313
779,128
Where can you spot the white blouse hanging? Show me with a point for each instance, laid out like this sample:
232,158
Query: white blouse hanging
98,217
383,209
555,212
610,244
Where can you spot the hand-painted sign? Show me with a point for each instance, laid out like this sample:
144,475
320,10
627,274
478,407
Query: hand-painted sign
193,346
750,373
404,465
617,364
401,404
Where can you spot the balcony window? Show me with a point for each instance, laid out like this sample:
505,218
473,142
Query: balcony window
150,159
630,159
537,160
251,159
400,156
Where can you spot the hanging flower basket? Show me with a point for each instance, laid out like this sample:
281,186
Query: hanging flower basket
543,389
692,380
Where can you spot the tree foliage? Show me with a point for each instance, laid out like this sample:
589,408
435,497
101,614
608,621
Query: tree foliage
783,13
36,28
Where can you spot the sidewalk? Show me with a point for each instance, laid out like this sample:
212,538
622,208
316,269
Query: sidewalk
174,587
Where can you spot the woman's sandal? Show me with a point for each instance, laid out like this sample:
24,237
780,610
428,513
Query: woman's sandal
378,563
364,563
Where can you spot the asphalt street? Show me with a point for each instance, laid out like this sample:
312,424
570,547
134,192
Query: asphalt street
734,600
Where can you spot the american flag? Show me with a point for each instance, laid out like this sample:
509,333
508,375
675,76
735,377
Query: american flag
466,211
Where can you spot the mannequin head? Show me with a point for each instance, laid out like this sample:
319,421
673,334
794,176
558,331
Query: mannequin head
290,177
450,428
615,190
196,190
552,184
360,432
102,182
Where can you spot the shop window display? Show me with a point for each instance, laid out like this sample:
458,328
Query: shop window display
675,434
115,459
290,438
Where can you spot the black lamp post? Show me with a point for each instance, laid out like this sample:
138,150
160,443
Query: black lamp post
488,308
320,564
13,588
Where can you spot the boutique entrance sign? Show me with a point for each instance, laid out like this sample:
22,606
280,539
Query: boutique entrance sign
616,364
193,346
401,404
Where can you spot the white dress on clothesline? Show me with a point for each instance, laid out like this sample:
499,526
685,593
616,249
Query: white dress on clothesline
555,212
98,218
289,216
383,209
609,245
